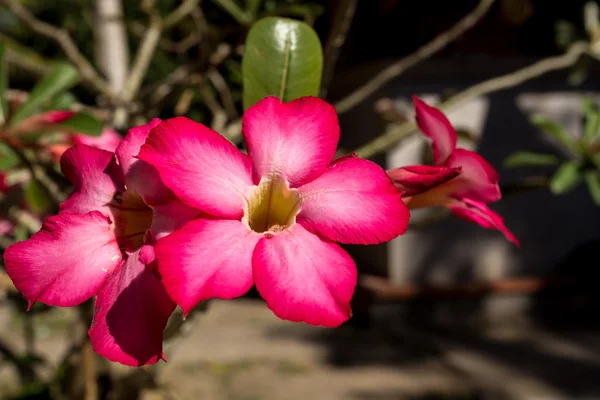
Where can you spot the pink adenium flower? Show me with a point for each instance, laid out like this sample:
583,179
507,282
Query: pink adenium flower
461,180
101,243
274,215
109,140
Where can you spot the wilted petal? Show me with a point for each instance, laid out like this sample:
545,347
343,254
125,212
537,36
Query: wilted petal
200,166
478,180
66,262
417,179
41,122
206,259
434,124
304,278
131,312
295,140
95,176
479,213
354,201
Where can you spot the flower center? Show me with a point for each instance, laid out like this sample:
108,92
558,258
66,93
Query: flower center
272,206
131,218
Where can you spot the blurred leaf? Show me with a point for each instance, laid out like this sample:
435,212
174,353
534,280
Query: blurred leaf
592,119
83,123
282,58
20,233
593,183
8,158
528,158
63,101
61,78
566,33
36,196
565,178
553,129
3,85
580,71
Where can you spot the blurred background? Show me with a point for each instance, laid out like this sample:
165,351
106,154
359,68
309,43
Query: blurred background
447,311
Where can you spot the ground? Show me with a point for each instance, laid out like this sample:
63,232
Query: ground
239,351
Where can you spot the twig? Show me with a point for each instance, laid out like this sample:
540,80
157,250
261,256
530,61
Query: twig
341,25
399,132
146,51
221,86
86,70
440,41
241,16
89,369
180,13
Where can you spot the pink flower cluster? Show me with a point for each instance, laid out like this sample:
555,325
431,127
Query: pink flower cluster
177,215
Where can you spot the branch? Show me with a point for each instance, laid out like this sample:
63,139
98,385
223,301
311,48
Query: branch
112,53
148,47
87,72
343,19
399,132
391,72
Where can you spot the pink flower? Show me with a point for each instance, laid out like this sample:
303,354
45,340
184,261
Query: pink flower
101,243
109,140
275,214
461,180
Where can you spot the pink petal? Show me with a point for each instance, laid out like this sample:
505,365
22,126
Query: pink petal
96,178
434,124
296,140
200,166
478,181
206,259
140,176
417,179
66,262
354,201
109,140
304,278
479,213
132,311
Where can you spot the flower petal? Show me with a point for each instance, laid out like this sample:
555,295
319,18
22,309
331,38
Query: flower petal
479,213
434,124
354,201
206,259
131,312
478,180
66,262
109,140
200,166
140,176
296,140
304,278
417,179
96,178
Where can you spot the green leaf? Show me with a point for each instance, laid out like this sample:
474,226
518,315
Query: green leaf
63,101
553,129
592,119
592,179
282,58
8,158
83,123
529,158
3,85
61,78
565,178
37,196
